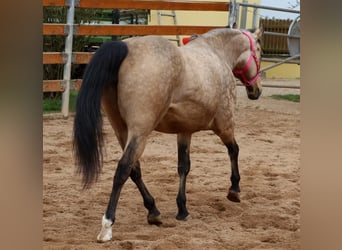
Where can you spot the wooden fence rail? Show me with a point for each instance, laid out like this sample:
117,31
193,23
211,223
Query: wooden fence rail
98,30
118,29
60,57
140,4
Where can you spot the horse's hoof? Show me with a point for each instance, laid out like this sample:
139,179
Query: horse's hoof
183,217
106,230
101,238
154,219
233,196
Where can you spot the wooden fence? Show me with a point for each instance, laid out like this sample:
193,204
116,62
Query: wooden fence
71,29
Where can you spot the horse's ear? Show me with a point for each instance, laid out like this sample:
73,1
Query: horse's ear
259,32
234,26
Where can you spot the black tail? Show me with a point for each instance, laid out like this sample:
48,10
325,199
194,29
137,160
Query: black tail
102,70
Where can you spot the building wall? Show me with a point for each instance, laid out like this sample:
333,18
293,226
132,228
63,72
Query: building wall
284,71
204,17
221,19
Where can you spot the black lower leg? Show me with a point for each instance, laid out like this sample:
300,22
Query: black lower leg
149,203
122,173
233,151
183,170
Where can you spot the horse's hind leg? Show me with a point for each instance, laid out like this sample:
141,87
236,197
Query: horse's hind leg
153,216
122,173
131,153
183,143
128,166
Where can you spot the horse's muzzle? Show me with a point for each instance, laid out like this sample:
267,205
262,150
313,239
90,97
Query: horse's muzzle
253,93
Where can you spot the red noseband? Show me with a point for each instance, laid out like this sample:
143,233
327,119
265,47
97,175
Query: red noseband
240,73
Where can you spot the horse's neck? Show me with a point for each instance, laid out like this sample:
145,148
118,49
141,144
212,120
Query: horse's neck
229,44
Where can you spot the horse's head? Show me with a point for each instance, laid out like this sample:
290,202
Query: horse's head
247,68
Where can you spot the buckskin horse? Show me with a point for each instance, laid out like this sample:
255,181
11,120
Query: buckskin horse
147,83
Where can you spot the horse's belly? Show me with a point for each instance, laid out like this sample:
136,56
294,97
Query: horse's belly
185,118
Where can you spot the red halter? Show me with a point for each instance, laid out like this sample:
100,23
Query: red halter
240,73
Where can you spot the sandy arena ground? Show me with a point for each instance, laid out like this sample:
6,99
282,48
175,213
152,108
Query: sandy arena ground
268,134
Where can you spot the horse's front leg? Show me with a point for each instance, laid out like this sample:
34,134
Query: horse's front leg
183,143
234,190
227,137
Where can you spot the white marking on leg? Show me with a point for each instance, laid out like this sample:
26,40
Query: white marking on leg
106,230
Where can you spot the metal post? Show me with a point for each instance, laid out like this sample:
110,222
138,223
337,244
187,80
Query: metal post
68,53
281,62
159,17
115,20
255,18
243,19
231,14
237,14
270,8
